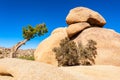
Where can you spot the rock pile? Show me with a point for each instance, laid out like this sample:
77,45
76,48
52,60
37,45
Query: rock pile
81,18
83,24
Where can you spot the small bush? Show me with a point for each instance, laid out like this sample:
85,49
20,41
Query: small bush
69,54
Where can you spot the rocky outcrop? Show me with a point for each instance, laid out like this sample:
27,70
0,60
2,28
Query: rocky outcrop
82,14
44,51
16,69
83,24
108,45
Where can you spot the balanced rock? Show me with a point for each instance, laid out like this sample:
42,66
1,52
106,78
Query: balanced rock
44,51
82,14
76,28
108,45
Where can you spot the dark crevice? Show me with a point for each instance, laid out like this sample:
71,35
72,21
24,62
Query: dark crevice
94,22
6,74
77,22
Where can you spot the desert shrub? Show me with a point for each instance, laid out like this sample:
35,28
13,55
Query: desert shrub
66,54
87,53
69,54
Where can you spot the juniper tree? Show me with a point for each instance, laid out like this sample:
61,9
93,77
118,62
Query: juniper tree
29,33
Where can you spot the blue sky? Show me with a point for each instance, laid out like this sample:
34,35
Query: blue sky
15,14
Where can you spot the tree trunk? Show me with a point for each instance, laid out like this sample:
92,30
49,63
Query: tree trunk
16,47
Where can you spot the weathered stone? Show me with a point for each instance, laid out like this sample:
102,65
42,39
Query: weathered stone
76,28
97,72
82,14
108,45
32,70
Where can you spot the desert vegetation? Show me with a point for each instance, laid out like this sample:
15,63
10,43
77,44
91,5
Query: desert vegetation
29,33
21,53
71,54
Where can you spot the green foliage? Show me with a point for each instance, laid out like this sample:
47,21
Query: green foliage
69,54
30,32
66,54
27,57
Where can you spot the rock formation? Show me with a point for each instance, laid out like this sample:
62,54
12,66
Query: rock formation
16,69
83,24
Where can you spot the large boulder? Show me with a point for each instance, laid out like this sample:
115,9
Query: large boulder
17,69
82,14
76,28
108,44
44,51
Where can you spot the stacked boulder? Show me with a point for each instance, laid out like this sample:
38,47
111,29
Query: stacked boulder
83,24
81,18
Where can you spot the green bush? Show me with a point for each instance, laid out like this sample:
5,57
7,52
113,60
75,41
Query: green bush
69,54
27,57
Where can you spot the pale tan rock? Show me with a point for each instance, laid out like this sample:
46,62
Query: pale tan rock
44,51
31,70
6,77
76,28
108,45
97,72
82,14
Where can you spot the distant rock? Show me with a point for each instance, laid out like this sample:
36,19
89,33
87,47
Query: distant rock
44,51
108,45
82,14
4,52
76,28
17,69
